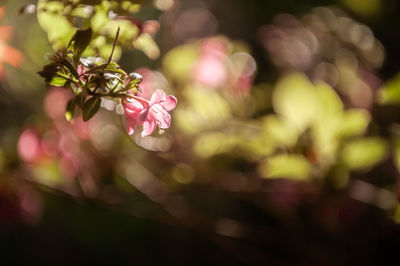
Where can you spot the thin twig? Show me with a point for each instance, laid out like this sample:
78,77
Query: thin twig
115,43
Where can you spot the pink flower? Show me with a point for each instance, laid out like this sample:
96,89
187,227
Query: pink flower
149,114
29,146
210,71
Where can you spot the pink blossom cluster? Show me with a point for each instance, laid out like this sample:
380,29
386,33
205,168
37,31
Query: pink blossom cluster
61,142
148,113
217,67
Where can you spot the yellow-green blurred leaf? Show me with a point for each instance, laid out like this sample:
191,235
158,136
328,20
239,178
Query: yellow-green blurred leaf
177,63
354,122
48,173
258,147
397,154
205,109
99,19
390,92
397,214
327,119
146,44
214,143
294,99
364,7
278,132
285,166
329,101
58,29
364,153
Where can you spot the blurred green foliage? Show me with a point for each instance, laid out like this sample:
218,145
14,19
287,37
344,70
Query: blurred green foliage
285,141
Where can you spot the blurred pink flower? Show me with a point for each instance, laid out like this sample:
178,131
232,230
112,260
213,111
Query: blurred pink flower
8,54
211,71
214,46
55,103
28,146
241,86
148,114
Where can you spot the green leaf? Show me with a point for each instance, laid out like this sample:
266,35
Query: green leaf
294,167
397,153
113,68
390,92
278,132
81,40
90,2
215,143
295,99
178,61
354,123
69,112
364,153
57,26
57,81
147,45
107,68
131,86
90,108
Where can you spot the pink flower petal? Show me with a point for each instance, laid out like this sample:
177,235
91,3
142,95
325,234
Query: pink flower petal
149,126
161,115
157,97
132,106
149,114
143,115
131,124
169,103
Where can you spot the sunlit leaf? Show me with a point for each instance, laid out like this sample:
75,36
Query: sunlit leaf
258,147
113,68
99,20
278,132
364,7
397,154
354,123
177,62
390,92
285,166
58,28
206,109
211,144
328,116
146,44
48,174
294,99
57,81
364,153
329,101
